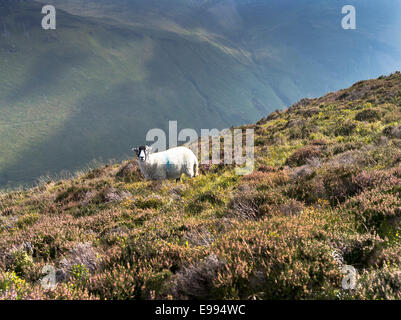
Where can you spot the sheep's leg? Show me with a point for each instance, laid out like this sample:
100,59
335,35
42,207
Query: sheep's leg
196,169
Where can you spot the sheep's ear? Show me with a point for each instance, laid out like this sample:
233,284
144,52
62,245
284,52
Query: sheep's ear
148,149
136,150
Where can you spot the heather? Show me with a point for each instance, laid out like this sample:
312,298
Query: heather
325,193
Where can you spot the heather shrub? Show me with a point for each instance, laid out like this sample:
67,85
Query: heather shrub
117,283
79,261
303,131
393,115
339,184
392,132
151,202
335,184
49,244
339,148
361,251
307,189
198,236
7,223
265,180
389,253
382,284
309,111
110,194
203,200
11,286
289,262
305,171
369,115
300,156
72,194
344,128
198,281
348,159
318,142
395,172
377,209
264,168
382,141
245,204
27,220
295,132
260,141
65,291
129,172
384,157
291,208
79,274
375,178
95,173
253,204
304,279
210,196
22,262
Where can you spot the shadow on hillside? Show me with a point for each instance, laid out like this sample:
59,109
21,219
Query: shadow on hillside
108,123
46,73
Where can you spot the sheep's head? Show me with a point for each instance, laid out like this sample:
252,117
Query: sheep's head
142,152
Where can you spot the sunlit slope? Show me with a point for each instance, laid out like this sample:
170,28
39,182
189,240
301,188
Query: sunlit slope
91,89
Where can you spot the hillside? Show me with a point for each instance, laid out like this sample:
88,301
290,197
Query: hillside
93,88
114,69
325,193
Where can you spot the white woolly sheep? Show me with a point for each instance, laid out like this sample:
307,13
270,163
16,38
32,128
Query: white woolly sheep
169,164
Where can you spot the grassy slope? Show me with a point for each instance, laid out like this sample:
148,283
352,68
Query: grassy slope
325,192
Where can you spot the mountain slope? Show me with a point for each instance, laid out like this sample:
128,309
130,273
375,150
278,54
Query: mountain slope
93,89
115,69
325,193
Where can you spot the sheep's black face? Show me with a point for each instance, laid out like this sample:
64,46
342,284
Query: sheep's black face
142,153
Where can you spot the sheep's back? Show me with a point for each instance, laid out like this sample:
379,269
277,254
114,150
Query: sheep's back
178,155
174,161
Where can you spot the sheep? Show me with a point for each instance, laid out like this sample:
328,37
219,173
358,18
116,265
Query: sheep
170,164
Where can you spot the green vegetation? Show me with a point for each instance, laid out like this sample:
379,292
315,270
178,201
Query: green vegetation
325,193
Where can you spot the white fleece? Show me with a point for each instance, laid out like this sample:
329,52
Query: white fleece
170,164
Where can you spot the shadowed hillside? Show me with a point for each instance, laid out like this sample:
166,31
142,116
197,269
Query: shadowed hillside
325,193
91,89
